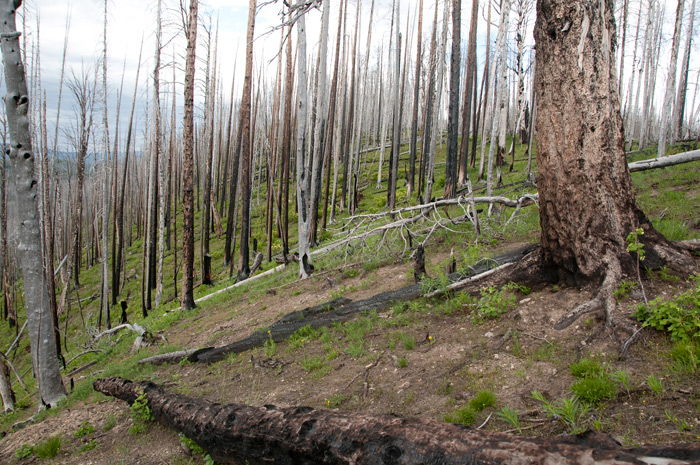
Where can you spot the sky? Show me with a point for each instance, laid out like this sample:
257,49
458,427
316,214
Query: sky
132,23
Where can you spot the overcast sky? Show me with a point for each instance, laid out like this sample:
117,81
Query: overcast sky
131,22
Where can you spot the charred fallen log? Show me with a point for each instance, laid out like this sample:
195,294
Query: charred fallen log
235,433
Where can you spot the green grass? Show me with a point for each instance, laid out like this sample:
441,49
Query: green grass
48,448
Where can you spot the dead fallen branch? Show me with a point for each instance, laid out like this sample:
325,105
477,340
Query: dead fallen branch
236,433
670,160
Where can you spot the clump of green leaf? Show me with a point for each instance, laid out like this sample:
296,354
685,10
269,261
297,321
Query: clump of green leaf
140,414
90,445
656,384
680,316
495,302
196,449
24,452
622,291
84,429
301,336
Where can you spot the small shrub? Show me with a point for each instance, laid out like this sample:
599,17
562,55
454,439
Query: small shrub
495,302
49,448
140,409
679,316
90,445
465,416
84,429
24,452
595,389
482,400
622,291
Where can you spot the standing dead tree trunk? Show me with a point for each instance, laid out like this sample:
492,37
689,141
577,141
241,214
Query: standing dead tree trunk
236,433
414,115
667,108
43,345
244,128
188,163
452,156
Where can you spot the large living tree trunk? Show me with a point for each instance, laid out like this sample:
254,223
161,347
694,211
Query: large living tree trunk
40,323
236,433
187,164
583,174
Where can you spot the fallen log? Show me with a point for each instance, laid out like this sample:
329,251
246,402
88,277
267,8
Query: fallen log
236,433
670,160
340,310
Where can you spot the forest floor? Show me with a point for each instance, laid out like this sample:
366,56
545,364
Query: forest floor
424,358
490,360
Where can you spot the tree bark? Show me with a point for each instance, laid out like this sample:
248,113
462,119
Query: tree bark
580,150
414,115
236,433
667,108
188,162
244,127
452,156
43,345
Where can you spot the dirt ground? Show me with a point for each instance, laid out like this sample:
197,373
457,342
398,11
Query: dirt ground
452,358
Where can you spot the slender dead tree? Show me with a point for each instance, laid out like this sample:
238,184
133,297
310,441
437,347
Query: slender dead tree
452,156
104,310
244,125
416,96
679,107
40,323
469,85
187,294
667,108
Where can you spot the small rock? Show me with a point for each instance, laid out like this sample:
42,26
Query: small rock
526,300
488,335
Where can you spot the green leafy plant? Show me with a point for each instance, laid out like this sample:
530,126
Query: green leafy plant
493,303
679,316
622,291
335,400
635,246
196,449
84,429
140,409
656,385
482,399
24,452
48,448
510,415
270,347
301,336
89,445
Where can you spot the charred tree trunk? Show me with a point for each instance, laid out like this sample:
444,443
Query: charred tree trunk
414,116
452,156
188,162
244,127
236,433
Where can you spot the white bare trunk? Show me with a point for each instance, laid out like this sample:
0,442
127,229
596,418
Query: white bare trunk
667,109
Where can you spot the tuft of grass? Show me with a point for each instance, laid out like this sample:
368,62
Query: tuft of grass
656,385
407,341
622,291
110,422
402,362
464,416
586,368
24,452
48,448
595,389
685,356
483,399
